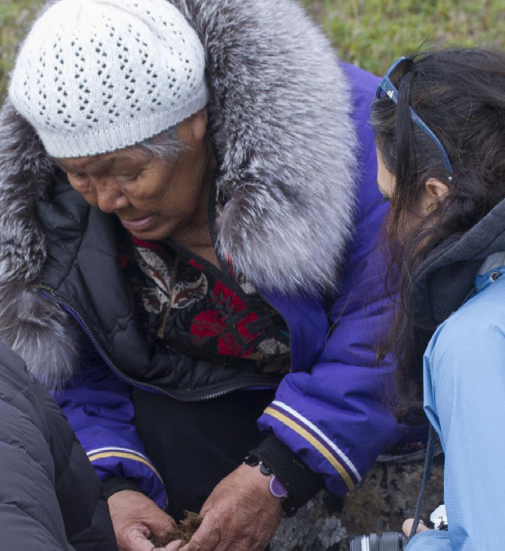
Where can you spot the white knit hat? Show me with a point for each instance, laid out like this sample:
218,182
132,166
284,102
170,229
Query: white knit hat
95,76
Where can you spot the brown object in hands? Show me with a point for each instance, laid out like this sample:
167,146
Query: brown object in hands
184,531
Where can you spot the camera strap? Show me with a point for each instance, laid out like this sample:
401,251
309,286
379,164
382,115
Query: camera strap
428,464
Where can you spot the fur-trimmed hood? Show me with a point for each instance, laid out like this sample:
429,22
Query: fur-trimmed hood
280,112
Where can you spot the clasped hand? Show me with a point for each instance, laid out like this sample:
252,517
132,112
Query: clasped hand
137,521
240,515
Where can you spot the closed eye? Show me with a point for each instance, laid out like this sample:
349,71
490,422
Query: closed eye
128,178
77,175
78,181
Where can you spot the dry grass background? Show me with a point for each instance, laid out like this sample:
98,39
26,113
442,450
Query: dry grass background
370,33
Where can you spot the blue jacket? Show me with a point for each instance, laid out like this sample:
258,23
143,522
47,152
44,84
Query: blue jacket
464,396
329,410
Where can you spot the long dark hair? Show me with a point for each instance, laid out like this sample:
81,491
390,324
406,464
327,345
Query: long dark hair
460,95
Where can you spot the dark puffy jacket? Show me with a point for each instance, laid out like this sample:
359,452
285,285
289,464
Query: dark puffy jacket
50,496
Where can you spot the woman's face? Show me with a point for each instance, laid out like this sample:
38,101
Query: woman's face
385,180
434,191
152,198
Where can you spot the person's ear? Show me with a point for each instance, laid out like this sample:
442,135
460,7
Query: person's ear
436,189
193,130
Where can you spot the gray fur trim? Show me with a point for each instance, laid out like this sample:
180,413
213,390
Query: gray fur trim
280,105
41,333
280,113
25,172
38,330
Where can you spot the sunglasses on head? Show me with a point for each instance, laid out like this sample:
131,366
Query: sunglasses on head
387,88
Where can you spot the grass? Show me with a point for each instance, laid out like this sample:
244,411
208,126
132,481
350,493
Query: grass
369,33
15,18
373,33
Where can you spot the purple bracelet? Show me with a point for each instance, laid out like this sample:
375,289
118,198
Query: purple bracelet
277,488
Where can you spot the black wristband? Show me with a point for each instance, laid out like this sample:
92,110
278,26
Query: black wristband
300,482
287,502
117,484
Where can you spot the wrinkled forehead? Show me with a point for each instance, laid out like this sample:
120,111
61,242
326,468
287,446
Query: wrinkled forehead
102,164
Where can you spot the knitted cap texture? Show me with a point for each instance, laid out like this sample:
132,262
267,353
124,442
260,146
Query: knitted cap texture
97,76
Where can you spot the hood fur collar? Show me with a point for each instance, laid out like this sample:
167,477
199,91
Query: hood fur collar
280,112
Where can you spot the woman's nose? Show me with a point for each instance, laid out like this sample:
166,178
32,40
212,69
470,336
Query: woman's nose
109,198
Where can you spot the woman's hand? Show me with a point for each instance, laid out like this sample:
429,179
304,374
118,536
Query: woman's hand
407,527
136,519
240,514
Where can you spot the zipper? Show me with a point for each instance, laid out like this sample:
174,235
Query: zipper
51,295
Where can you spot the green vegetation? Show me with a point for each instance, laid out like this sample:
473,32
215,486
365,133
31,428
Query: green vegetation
370,33
15,18
373,33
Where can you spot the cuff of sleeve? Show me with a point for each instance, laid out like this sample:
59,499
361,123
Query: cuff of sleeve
297,478
117,484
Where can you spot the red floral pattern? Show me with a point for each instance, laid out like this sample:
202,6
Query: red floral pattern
199,310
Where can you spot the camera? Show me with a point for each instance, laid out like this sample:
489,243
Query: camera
395,541
389,541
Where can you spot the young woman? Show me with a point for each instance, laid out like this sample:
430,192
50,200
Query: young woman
440,124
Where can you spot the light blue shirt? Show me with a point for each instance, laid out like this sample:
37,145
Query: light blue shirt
464,398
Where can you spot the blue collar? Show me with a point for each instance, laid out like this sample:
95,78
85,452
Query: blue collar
483,281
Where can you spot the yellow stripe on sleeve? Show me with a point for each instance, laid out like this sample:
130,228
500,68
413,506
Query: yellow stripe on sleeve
318,445
124,455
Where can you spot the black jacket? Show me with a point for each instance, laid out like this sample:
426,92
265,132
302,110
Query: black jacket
50,496
445,278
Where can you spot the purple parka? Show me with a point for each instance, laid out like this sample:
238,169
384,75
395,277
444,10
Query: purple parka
330,409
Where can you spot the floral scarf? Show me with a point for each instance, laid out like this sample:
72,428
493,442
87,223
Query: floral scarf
196,309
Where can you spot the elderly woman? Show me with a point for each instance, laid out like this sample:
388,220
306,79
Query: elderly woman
181,183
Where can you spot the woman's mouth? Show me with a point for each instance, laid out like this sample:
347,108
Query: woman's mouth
138,224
